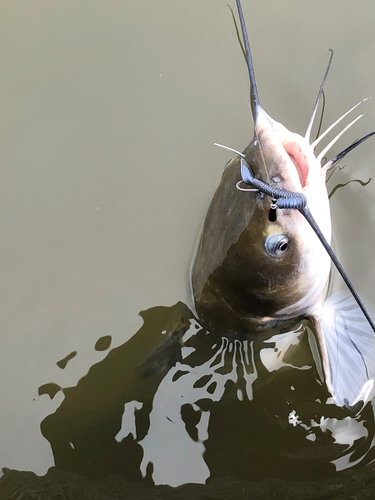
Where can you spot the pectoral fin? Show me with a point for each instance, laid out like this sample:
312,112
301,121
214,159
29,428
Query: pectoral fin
347,346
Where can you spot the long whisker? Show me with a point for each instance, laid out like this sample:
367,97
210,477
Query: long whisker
318,139
254,92
321,115
308,131
229,149
238,33
255,105
346,151
328,147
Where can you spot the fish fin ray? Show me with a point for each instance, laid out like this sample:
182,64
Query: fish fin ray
350,347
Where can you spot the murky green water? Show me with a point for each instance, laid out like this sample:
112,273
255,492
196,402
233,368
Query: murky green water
109,114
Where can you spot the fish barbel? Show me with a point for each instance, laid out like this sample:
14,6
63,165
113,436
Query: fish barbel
258,266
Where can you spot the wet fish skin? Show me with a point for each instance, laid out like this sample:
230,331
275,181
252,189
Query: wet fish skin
237,285
242,286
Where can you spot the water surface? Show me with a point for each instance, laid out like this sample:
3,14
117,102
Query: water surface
110,112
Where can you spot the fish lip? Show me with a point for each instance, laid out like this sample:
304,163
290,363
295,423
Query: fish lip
294,151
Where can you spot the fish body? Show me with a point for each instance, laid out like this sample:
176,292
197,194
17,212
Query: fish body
253,273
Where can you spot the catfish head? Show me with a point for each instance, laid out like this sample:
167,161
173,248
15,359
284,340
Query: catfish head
250,272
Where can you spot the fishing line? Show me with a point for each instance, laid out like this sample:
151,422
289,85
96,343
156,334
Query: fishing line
309,127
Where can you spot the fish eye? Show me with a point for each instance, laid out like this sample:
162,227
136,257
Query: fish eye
277,244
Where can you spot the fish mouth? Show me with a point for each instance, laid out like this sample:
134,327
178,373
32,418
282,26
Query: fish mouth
299,160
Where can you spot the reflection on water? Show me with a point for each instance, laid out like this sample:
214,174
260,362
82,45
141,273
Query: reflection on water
176,404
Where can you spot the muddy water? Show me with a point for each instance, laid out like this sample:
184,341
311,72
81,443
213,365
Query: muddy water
109,114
